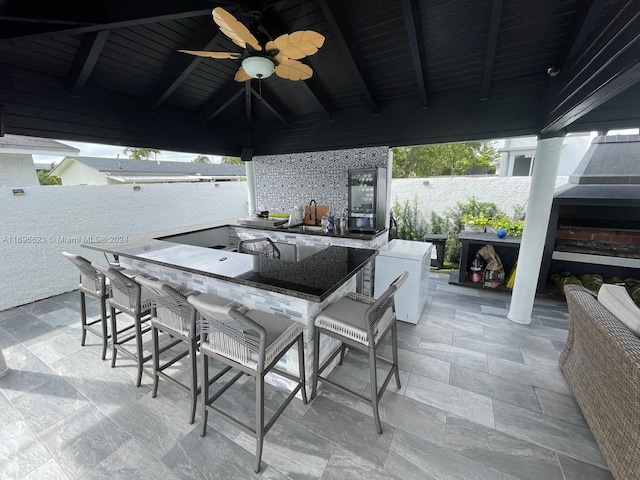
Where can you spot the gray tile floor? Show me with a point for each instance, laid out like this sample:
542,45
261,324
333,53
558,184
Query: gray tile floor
481,398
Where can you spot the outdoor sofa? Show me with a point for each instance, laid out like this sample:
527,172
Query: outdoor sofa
601,362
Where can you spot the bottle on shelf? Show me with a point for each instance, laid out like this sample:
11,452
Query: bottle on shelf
344,221
324,224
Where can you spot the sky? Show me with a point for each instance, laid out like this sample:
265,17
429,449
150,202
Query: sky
112,151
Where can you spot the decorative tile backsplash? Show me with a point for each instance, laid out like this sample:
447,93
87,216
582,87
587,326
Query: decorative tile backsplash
284,181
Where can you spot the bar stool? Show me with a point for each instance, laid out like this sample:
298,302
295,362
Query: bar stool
251,342
173,315
94,284
262,247
360,322
128,296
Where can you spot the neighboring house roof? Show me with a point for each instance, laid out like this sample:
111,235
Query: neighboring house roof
127,167
34,146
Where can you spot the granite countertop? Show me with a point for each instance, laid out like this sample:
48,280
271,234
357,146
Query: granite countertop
313,278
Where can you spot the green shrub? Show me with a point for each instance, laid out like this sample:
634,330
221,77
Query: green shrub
438,225
411,222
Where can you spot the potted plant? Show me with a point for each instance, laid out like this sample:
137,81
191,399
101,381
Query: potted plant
476,223
512,227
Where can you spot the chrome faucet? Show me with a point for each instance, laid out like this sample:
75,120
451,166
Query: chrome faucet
316,211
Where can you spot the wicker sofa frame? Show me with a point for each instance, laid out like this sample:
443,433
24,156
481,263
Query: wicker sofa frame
601,362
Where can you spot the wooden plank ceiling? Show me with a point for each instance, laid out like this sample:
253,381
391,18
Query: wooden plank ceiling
390,73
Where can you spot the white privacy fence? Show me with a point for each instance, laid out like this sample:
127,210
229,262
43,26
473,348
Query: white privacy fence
37,226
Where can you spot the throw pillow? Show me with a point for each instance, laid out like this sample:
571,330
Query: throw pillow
616,299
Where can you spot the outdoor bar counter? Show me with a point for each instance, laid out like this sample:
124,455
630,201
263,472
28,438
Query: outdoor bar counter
298,290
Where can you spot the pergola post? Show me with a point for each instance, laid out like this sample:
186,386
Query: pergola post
3,365
545,170
251,187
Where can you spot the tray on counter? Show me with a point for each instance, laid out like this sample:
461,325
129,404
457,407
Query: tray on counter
262,222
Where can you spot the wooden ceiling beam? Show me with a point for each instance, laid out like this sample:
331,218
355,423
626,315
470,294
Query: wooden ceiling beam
311,87
273,106
410,11
182,66
492,43
349,53
85,60
215,108
23,20
588,22
611,66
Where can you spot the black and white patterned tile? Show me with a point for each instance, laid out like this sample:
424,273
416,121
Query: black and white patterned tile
284,181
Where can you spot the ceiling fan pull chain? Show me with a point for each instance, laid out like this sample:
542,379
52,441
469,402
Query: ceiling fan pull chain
260,89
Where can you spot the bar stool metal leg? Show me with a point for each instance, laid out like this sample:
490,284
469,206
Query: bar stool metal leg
103,318
114,337
156,360
205,393
316,360
193,348
373,373
259,420
394,347
301,371
83,318
139,349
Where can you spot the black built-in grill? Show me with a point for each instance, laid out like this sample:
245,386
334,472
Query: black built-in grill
595,218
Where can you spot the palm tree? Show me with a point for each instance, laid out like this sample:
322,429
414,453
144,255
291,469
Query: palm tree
141,153
201,159
232,160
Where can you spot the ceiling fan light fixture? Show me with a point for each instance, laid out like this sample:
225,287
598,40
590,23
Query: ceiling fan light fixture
258,67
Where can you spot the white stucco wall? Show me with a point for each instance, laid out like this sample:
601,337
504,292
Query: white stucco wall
80,174
17,170
440,193
32,271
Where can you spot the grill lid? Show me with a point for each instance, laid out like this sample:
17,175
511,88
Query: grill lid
610,160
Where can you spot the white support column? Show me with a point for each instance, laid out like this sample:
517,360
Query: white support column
3,365
251,187
545,170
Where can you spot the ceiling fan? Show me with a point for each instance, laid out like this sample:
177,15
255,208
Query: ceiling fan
280,55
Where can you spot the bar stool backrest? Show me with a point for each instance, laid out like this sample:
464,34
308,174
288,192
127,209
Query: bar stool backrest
262,247
92,281
125,292
171,307
228,330
378,315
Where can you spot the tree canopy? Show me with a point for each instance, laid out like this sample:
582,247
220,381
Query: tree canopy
201,159
141,153
442,159
45,178
232,160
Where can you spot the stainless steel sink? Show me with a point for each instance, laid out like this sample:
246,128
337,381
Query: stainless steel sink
291,252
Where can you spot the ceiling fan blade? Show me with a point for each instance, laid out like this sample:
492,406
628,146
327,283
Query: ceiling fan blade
294,70
298,44
221,55
236,31
241,75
